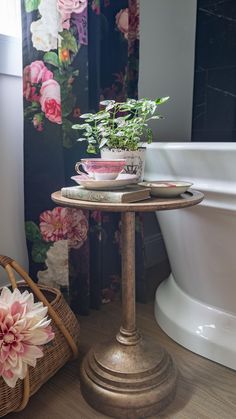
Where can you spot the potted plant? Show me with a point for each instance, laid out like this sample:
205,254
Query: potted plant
119,130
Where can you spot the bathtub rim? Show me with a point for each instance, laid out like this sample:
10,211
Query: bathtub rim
219,193
188,145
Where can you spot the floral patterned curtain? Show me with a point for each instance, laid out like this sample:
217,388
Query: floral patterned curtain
75,53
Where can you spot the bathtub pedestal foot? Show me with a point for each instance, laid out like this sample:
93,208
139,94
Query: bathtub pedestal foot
204,329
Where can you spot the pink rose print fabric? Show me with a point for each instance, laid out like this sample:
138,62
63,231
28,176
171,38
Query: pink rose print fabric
34,74
39,86
122,21
64,223
54,224
67,7
78,231
75,53
50,100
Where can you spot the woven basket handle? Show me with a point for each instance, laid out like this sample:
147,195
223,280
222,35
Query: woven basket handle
10,265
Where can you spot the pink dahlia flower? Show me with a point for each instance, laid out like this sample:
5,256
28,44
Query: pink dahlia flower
54,224
64,223
24,327
78,228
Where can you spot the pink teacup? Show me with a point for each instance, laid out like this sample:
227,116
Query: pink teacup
101,169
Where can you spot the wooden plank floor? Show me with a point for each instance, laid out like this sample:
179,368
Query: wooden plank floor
205,389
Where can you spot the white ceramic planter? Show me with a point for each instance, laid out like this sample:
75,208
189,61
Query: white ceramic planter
135,159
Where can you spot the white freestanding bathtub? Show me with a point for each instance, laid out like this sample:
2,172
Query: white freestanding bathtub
196,305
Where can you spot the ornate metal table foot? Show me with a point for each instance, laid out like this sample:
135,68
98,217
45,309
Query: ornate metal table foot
128,380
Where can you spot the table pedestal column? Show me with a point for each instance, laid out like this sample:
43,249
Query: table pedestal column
130,376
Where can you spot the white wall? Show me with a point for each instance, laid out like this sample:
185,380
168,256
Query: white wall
167,44
11,59
12,237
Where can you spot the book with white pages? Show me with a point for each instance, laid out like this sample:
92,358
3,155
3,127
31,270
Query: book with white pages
131,193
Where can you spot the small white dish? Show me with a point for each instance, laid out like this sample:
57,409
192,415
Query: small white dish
166,188
121,181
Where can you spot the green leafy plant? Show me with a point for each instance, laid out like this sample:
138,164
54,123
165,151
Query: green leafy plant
120,125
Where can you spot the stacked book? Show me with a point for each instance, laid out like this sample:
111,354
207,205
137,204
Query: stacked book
132,193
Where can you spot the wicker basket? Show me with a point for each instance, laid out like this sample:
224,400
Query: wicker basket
56,353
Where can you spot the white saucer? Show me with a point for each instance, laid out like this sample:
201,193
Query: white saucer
121,181
166,188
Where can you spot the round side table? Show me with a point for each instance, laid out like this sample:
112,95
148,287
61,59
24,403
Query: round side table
129,376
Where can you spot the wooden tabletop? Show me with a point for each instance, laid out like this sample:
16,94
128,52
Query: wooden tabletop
188,199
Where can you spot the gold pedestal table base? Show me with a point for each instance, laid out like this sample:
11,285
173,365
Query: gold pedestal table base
129,377
128,381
